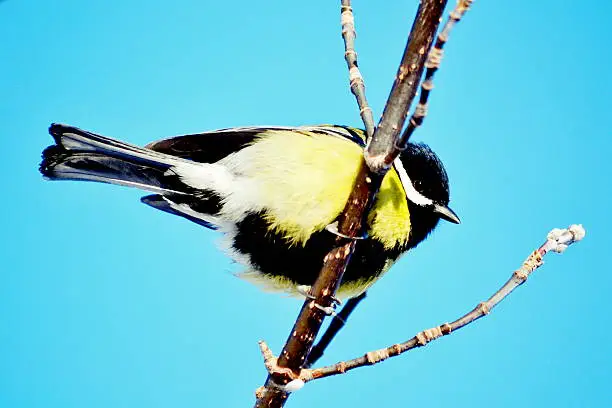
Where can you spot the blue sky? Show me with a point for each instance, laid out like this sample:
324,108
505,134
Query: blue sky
105,302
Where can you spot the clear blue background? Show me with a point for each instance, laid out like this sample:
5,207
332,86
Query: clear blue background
107,303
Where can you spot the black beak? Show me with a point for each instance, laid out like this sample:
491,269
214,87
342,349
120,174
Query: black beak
446,214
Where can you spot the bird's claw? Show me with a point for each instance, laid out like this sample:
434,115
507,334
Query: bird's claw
305,290
329,310
333,228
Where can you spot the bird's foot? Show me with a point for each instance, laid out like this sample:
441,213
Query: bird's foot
305,290
333,228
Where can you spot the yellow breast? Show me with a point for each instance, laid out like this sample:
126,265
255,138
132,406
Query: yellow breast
305,181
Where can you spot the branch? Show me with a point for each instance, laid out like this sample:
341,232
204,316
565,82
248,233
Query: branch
382,149
355,78
557,241
310,319
433,63
358,88
351,220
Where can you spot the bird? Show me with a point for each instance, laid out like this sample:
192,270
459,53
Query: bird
272,192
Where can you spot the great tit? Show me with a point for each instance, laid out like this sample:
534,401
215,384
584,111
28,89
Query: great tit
271,191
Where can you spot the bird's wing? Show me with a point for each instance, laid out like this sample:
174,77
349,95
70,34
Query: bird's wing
212,146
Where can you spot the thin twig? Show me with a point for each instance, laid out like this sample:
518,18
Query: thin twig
557,241
382,150
355,77
351,220
358,88
335,326
433,63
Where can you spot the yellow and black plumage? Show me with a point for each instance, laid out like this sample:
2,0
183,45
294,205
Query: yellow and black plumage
271,191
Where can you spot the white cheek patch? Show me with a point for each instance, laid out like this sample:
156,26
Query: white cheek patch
411,193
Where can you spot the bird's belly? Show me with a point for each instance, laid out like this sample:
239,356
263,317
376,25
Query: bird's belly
275,263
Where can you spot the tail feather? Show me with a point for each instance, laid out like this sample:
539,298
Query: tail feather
82,155
86,156
78,140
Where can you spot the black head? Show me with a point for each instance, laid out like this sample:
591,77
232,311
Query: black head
426,185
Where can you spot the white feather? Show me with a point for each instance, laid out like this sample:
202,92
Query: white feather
411,193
